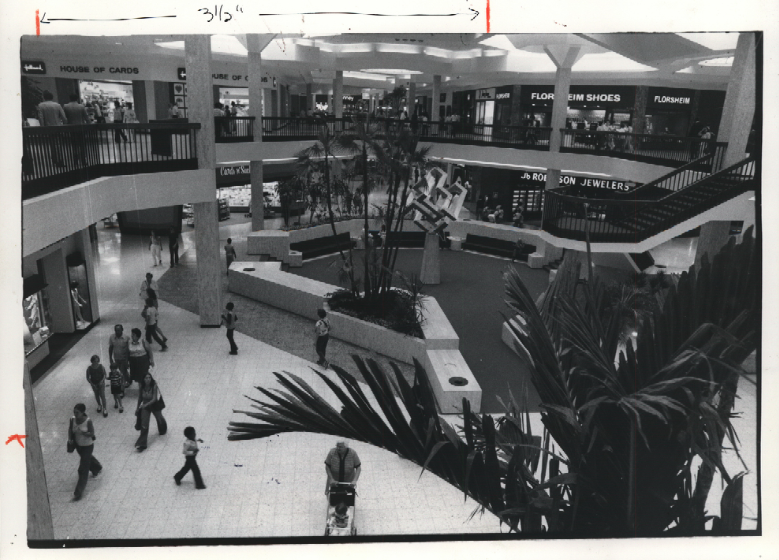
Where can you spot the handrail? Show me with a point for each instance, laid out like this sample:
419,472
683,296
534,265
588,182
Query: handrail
55,157
631,220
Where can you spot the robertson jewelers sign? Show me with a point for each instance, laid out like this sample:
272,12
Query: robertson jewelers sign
572,181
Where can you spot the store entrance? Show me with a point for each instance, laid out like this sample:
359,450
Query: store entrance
104,94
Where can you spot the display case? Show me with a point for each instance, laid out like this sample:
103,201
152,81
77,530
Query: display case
79,291
37,320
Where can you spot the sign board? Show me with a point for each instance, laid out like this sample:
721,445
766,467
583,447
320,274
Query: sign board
670,97
268,82
539,179
485,94
611,96
33,67
233,174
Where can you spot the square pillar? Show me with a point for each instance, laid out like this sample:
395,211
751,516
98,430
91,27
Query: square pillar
739,110
254,44
197,49
411,98
338,94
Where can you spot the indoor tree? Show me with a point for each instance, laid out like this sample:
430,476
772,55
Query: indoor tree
623,425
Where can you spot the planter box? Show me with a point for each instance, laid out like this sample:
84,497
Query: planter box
438,351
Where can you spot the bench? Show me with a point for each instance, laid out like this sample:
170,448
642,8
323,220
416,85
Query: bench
410,238
322,245
501,247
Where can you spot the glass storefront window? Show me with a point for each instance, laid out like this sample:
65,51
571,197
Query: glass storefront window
36,320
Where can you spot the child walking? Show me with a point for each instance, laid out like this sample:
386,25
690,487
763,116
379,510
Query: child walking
117,386
322,329
96,377
190,463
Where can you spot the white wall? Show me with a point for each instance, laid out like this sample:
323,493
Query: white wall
77,207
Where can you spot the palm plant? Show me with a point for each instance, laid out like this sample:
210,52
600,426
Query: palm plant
628,430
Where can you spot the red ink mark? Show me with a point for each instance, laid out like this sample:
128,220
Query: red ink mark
17,437
37,23
488,16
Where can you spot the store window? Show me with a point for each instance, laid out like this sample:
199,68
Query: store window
79,291
237,98
35,306
105,93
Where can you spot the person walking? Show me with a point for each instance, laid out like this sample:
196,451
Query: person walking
150,315
228,320
130,118
81,438
119,352
141,357
342,465
156,248
190,459
118,119
96,376
76,113
173,247
149,402
322,330
149,282
117,386
229,253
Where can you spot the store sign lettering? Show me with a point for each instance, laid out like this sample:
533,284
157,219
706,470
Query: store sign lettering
486,94
98,69
503,96
33,67
672,100
589,97
182,75
571,181
233,170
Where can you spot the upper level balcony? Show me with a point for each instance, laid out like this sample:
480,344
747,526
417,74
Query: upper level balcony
61,156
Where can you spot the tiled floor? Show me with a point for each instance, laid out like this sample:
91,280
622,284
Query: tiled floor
272,487
258,488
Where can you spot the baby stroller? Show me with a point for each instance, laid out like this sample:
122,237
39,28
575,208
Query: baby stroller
341,511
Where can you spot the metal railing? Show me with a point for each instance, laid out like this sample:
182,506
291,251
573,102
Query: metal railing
233,129
55,157
650,148
631,220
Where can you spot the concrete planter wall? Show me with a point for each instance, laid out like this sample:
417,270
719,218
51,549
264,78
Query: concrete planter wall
450,376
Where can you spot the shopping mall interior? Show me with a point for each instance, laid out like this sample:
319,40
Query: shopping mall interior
630,158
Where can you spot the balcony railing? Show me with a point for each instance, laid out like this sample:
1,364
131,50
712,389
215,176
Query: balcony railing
649,148
233,129
630,220
55,157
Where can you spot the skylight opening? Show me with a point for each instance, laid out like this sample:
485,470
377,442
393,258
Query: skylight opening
713,41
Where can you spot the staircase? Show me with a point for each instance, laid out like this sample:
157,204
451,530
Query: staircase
670,200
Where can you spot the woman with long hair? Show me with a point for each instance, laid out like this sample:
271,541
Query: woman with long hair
81,437
149,402
141,356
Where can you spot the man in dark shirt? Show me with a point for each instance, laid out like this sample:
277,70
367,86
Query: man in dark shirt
173,247
77,114
342,465
50,113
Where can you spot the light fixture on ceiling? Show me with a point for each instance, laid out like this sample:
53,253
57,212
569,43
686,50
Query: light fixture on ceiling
721,61
390,71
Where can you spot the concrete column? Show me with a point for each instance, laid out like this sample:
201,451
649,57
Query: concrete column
277,101
739,109
639,110
338,94
431,261
714,236
151,101
254,44
436,106
309,98
560,107
411,98
197,52
39,521
552,179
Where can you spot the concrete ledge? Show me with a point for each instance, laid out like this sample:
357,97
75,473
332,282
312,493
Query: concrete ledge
269,242
535,260
295,259
444,368
438,351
